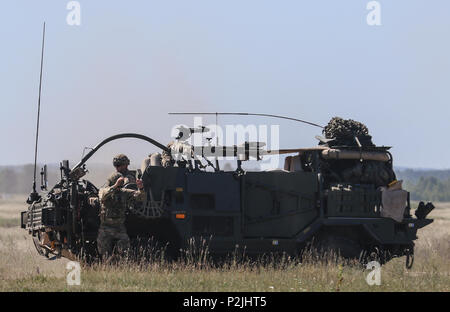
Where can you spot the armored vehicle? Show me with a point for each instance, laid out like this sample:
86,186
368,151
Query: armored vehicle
340,195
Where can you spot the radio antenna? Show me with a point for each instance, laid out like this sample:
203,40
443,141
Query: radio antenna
34,195
252,114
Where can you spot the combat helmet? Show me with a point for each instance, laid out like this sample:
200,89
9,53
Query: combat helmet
120,160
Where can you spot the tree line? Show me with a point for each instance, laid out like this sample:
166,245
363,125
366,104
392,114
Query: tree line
19,179
426,185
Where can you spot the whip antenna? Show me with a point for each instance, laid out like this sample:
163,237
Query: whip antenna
252,114
34,195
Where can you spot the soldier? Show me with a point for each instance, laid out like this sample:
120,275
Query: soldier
166,158
153,159
114,201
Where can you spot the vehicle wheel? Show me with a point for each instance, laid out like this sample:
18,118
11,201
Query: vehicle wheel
370,254
341,246
409,258
37,245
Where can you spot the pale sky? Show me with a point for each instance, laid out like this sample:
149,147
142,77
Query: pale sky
131,62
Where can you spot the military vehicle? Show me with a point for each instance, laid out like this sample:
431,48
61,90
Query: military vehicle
340,195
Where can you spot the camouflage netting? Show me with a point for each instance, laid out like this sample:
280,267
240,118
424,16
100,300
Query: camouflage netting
344,131
338,127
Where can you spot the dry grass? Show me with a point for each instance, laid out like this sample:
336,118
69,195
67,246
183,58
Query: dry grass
22,269
18,257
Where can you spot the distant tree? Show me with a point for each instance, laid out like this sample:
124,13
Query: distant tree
431,189
426,185
8,181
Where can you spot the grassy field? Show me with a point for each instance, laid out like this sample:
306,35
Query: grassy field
22,269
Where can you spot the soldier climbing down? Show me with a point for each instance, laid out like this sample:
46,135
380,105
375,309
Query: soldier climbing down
115,198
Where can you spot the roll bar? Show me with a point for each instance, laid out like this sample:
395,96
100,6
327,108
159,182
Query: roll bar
120,136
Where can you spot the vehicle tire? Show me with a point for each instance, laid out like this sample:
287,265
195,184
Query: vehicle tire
341,246
373,253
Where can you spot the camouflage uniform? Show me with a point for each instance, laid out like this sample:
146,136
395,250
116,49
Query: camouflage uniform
114,203
166,158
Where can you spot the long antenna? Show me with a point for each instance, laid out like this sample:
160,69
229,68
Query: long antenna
252,114
39,110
